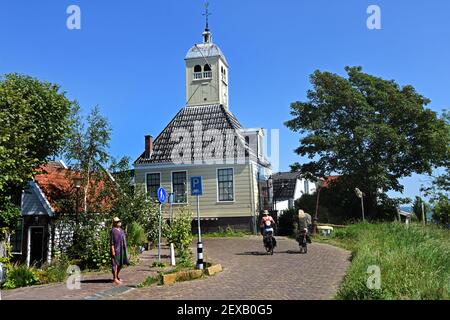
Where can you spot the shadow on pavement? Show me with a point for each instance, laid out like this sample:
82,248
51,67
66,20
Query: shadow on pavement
254,253
291,252
96,281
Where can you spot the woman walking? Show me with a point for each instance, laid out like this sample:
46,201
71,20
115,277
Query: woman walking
119,256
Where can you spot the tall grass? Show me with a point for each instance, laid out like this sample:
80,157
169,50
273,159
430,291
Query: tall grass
414,262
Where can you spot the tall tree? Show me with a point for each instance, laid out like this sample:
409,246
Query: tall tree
34,122
370,130
417,207
87,147
131,203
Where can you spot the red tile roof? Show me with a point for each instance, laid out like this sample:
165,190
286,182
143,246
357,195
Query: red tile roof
56,182
329,180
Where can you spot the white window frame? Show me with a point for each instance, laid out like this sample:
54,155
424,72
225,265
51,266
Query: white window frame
160,179
187,186
21,239
217,186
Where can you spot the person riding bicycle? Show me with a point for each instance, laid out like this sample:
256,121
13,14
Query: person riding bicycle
266,226
304,224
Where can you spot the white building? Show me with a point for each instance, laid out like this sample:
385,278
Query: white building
288,187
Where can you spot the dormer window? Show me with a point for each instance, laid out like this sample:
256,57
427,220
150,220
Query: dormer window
207,73
198,72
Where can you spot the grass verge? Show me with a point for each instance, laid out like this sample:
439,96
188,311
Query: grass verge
414,261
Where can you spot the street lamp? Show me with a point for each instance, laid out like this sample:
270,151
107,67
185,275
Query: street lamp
360,195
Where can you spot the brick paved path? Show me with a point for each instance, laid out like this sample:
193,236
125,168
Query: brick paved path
248,274
251,274
93,286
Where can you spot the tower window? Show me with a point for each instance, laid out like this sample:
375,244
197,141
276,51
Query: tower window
224,74
207,73
198,72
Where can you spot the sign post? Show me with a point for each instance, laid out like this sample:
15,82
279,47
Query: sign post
172,249
197,190
161,198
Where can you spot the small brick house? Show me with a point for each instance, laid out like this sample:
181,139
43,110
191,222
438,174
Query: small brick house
37,237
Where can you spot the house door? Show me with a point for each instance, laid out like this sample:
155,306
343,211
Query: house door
36,245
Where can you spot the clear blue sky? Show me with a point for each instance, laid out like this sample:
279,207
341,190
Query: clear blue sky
129,55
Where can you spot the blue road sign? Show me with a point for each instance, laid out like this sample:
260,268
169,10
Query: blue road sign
162,195
196,186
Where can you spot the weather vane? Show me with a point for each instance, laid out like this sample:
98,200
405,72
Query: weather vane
207,14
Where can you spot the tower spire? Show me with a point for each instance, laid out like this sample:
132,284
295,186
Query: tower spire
207,34
207,14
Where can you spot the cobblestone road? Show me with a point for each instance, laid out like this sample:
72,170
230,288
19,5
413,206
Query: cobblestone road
249,273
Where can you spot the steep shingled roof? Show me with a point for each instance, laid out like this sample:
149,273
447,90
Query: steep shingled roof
207,118
284,185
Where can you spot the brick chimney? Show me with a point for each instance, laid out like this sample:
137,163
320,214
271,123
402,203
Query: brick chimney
148,146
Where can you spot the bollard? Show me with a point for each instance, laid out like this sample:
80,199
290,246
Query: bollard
172,254
200,255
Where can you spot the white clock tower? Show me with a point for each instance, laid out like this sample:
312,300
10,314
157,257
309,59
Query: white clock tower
206,73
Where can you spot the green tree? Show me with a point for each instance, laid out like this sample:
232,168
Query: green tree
439,191
87,148
34,122
417,208
131,203
370,131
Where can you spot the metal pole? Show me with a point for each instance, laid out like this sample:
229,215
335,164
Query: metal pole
159,234
171,211
424,221
362,207
317,203
199,244
172,249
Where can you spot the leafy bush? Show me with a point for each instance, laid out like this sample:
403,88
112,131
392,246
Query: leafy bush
414,262
287,222
441,211
180,234
9,215
226,233
21,276
135,235
91,246
56,271
99,255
